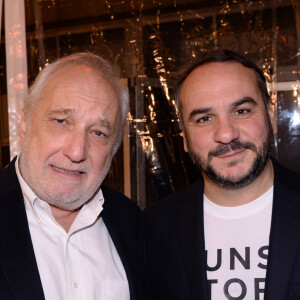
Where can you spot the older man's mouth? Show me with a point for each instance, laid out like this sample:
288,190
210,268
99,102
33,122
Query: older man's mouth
70,172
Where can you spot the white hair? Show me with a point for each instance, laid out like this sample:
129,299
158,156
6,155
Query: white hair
104,67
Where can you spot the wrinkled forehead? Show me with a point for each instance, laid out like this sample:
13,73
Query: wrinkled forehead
81,79
76,87
76,73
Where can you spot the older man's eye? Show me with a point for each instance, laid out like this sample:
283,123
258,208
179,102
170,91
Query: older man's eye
60,121
99,133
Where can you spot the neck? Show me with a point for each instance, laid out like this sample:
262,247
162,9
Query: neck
252,191
63,217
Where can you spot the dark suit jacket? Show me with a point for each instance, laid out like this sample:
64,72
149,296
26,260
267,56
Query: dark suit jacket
175,250
19,276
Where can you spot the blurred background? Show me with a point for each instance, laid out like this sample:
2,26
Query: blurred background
153,42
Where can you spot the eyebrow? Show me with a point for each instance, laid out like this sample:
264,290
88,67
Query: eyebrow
62,111
235,104
67,111
105,123
244,100
199,111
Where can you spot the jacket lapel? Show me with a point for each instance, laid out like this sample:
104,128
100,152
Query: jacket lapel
284,235
117,221
17,260
284,244
191,236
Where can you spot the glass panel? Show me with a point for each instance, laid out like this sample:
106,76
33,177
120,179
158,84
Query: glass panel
169,48
289,129
162,165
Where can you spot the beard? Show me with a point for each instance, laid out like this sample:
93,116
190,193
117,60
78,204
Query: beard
55,194
261,158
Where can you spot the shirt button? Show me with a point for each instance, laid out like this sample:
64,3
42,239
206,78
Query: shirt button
74,285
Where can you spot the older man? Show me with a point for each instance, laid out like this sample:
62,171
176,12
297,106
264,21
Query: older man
62,235
234,234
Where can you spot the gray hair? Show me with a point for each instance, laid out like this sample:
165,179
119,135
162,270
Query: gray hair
104,67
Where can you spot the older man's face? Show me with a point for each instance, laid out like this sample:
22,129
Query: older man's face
68,140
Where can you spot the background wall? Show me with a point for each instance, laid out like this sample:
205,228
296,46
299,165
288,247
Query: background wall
153,42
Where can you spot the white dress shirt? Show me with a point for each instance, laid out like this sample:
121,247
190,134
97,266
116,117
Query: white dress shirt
80,264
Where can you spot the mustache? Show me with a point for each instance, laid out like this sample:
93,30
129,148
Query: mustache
68,166
234,145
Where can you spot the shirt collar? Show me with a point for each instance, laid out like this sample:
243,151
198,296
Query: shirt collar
29,195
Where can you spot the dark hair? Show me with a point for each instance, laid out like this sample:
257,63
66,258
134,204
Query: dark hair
224,56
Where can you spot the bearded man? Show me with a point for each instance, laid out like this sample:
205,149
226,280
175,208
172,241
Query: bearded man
235,233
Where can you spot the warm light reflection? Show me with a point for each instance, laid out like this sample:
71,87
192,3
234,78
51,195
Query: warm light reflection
165,87
295,92
147,143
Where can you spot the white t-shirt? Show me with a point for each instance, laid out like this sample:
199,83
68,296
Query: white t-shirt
236,242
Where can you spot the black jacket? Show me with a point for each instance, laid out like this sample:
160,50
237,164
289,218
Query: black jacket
175,249
19,275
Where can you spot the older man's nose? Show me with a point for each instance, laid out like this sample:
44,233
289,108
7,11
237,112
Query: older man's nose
76,147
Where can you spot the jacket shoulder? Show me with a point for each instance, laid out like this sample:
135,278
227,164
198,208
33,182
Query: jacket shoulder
119,208
286,177
182,195
186,199
8,178
115,198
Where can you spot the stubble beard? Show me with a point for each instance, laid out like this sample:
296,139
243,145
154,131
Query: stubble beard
262,155
76,201
67,201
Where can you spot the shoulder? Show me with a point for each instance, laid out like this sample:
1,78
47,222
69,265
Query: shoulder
113,197
119,206
9,170
179,198
121,215
185,200
286,178
8,178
